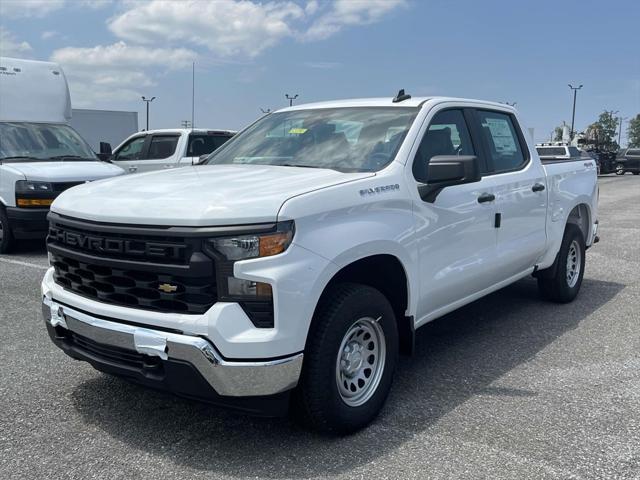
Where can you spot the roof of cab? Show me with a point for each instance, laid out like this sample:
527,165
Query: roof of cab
388,102
189,130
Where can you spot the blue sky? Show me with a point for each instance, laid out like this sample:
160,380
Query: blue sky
249,54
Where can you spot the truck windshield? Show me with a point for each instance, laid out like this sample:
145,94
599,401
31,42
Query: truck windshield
356,139
22,141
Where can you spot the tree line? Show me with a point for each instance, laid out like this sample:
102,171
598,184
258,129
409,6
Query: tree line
604,133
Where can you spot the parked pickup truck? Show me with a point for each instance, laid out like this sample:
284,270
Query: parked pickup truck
297,261
164,149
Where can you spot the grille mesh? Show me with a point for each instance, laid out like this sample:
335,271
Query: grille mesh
135,288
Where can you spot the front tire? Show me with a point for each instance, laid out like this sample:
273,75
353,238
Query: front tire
350,359
563,286
620,169
6,235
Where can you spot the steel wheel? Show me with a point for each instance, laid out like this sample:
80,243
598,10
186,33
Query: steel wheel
574,260
361,361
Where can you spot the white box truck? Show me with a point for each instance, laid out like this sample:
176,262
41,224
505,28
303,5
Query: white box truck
40,154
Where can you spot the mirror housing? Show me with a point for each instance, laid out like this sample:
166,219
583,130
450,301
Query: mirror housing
446,171
105,151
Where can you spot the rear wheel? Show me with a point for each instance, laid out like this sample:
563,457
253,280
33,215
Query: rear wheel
564,284
349,361
619,169
6,236
636,173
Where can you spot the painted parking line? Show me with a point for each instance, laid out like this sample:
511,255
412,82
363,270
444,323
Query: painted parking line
24,264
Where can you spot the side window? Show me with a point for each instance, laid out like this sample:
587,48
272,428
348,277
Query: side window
447,135
132,150
204,144
574,152
502,141
162,146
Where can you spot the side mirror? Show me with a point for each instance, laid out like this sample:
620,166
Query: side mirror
202,158
105,151
446,171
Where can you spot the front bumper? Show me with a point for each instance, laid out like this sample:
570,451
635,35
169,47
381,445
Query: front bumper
28,223
184,364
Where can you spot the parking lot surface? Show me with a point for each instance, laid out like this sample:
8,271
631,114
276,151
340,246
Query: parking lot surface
507,387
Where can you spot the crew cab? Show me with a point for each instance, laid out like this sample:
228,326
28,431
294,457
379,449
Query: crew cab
164,149
294,264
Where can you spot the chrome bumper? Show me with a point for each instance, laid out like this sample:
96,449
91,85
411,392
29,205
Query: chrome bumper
227,378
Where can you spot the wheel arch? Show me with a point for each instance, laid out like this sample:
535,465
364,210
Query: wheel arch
384,272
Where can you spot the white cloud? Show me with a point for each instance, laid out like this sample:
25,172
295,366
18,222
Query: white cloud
322,65
117,72
29,8
344,13
46,35
226,27
12,47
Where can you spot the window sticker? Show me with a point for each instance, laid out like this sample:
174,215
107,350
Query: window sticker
501,134
297,131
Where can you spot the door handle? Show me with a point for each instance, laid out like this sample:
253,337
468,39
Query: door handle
133,169
486,197
537,187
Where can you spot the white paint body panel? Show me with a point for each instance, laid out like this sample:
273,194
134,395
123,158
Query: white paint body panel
450,250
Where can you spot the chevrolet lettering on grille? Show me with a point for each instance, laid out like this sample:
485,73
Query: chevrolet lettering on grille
96,243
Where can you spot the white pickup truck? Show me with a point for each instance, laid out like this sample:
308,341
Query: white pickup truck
297,262
164,149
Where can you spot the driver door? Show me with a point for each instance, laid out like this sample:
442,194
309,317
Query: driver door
455,233
128,156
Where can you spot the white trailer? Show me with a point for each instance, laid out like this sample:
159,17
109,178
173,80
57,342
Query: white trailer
110,126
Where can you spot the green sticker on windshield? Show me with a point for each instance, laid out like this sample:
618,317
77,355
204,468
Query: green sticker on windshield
297,131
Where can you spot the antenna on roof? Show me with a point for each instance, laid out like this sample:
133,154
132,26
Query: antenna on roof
401,96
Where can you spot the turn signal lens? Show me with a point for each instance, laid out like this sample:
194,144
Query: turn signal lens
275,243
34,202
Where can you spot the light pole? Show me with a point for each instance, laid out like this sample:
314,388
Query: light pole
291,99
148,101
620,130
573,115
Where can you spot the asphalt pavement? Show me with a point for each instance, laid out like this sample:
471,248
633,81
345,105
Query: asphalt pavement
507,387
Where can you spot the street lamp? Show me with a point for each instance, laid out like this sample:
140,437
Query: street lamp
573,115
620,130
148,101
291,99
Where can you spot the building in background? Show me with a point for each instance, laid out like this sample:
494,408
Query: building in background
110,126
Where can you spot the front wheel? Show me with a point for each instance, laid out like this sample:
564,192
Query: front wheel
620,169
349,361
6,236
563,286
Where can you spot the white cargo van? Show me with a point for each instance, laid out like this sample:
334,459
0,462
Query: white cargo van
40,154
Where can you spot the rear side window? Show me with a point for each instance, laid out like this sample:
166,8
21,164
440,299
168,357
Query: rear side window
633,151
132,150
574,152
501,139
204,144
447,135
162,146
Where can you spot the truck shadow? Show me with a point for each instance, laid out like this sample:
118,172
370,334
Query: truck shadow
457,357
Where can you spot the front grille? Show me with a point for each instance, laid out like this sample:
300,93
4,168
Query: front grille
145,289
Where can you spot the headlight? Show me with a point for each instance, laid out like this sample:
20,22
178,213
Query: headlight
28,186
34,194
243,247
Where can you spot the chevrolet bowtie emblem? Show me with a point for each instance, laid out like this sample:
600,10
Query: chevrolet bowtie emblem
166,288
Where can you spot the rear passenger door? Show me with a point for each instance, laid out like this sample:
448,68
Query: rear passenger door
202,144
520,189
161,153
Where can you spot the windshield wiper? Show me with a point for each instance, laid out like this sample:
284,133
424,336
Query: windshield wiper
18,157
301,166
70,157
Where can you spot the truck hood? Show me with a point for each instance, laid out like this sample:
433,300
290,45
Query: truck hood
203,195
71,171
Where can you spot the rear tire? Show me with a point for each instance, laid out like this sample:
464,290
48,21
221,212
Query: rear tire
636,173
564,285
349,361
6,235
